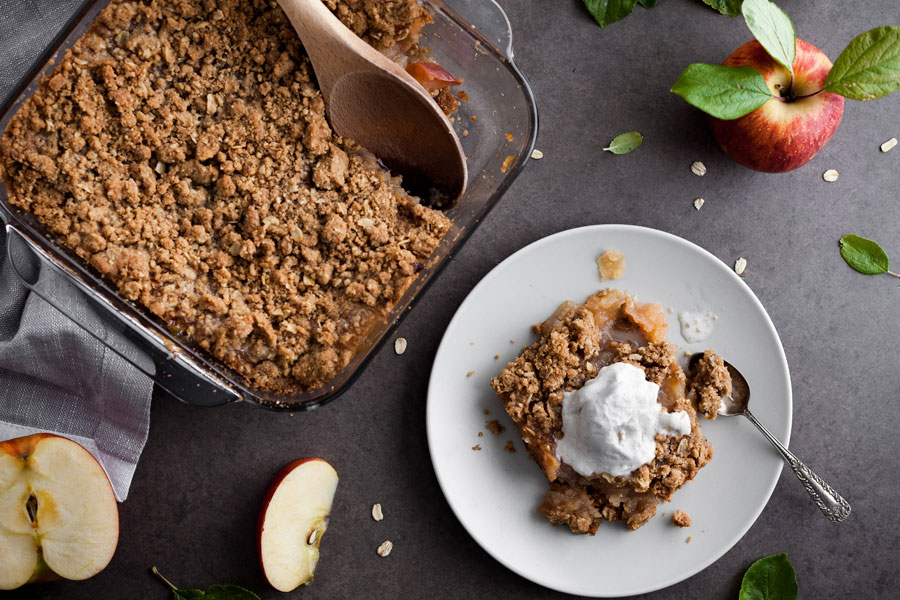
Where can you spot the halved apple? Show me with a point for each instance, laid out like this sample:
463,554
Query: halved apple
58,513
292,520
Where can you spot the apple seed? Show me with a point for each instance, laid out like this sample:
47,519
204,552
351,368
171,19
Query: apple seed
830,175
888,144
313,535
385,548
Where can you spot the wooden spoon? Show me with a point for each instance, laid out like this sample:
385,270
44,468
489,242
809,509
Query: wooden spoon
374,102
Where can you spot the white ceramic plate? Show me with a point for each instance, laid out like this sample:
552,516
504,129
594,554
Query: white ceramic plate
495,493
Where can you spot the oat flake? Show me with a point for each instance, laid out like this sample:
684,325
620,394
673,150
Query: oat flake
376,512
698,203
385,548
698,169
739,265
537,154
888,144
400,345
830,175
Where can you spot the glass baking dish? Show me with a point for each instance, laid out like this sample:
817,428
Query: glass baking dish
470,38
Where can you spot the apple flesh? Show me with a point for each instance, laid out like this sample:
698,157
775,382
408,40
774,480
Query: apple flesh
782,135
292,520
58,513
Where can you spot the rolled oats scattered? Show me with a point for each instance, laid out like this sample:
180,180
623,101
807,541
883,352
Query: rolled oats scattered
537,154
739,265
376,512
830,175
698,203
888,144
698,169
400,345
385,548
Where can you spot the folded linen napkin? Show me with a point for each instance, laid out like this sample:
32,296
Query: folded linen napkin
53,375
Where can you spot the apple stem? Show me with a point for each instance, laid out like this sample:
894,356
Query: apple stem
891,273
166,581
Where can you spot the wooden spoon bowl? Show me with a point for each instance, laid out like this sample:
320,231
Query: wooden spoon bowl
374,102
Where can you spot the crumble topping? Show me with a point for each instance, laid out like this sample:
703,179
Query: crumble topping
576,341
181,148
710,382
681,519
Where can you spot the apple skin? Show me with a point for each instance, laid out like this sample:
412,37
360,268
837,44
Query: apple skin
431,75
781,136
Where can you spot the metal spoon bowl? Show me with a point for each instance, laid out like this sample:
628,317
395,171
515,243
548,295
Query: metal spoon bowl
829,501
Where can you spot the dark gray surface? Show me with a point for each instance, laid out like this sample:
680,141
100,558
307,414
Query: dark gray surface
192,508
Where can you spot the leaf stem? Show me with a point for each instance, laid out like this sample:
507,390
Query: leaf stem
156,572
809,95
792,98
892,274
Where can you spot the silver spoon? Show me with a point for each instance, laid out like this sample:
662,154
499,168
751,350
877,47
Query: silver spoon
829,501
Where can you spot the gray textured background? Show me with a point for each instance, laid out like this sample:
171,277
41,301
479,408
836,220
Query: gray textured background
193,505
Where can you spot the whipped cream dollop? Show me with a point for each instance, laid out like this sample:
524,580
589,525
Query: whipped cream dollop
609,425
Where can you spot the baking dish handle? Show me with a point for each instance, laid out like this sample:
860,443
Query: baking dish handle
487,19
150,355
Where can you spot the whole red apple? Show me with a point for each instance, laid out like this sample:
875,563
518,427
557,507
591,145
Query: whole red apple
785,132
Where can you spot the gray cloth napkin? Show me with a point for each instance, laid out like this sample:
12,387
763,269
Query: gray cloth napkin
56,377
53,375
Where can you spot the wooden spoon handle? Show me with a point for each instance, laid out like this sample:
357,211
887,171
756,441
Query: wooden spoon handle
331,46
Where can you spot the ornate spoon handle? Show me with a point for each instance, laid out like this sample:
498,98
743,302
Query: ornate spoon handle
829,501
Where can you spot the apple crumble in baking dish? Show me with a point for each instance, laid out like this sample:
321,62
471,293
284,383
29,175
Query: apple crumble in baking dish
181,149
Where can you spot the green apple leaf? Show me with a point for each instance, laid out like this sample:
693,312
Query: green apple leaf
864,255
732,8
723,92
774,30
770,578
869,68
213,592
609,11
625,143
648,3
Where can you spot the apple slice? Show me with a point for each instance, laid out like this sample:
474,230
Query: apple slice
292,520
58,513
431,75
